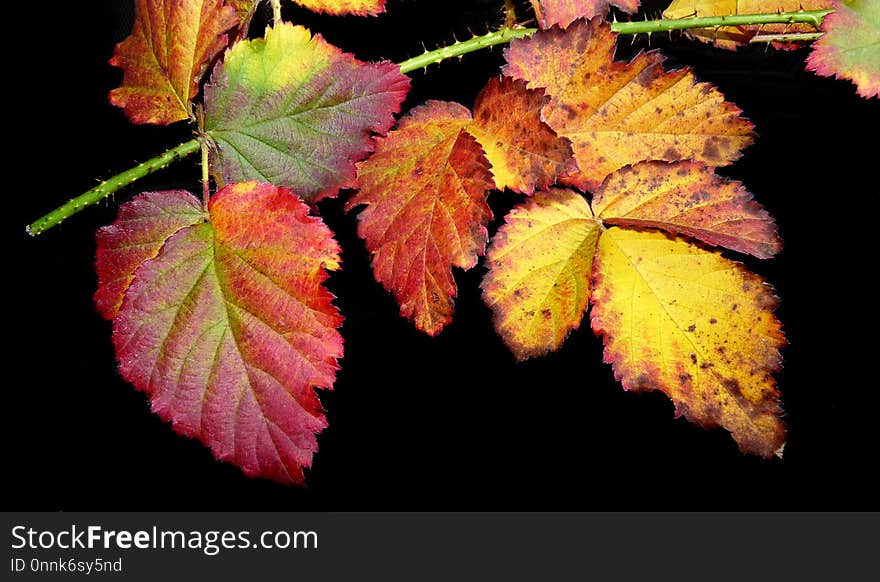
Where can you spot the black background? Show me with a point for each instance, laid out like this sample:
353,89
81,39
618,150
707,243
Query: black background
450,422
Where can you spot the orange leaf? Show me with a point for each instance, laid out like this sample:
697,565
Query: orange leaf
617,113
166,55
538,283
524,152
355,7
564,12
730,37
425,189
687,198
697,326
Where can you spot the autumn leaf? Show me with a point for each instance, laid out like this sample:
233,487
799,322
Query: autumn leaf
730,37
616,113
356,7
687,198
166,56
850,47
228,327
425,189
564,12
524,152
677,318
138,234
295,111
538,283
244,9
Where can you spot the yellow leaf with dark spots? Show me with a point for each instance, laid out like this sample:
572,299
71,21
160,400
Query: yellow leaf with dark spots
538,283
684,320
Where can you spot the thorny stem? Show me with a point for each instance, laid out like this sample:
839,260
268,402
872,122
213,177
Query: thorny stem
504,35
110,186
787,37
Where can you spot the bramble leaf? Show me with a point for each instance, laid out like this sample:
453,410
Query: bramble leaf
166,56
850,48
295,111
229,327
564,12
677,318
244,9
730,37
138,234
425,189
524,152
356,7
618,113
687,198
538,283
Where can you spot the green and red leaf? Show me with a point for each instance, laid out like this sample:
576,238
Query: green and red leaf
564,12
170,47
138,234
850,47
229,328
295,111
425,189
617,113
687,198
525,153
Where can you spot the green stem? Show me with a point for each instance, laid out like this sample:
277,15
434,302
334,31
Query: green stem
206,179
501,36
506,34
787,37
276,11
813,17
104,189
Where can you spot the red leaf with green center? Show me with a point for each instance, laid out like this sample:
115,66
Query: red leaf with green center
850,48
687,198
617,113
166,56
137,234
356,7
524,152
564,12
294,110
425,189
229,328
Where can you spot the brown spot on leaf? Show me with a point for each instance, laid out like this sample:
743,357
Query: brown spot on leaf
671,154
694,358
710,151
713,321
692,327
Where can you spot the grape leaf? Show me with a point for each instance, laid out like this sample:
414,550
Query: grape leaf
294,110
356,7
538,283
524,152
687,198
564,12
229,327
616,113
166,56
699,327
141,228
425,189
850,48
730,37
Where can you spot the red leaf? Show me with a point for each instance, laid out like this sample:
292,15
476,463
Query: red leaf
564,12
425,190
166,55
229,327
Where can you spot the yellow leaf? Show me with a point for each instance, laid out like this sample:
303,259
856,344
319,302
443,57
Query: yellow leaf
684,320
616,113
538,283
